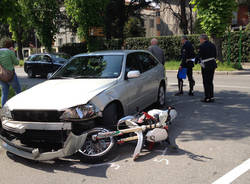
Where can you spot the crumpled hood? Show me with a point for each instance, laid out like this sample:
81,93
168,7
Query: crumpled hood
59,94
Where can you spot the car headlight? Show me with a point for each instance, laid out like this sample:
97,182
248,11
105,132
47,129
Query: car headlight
81,112
5,113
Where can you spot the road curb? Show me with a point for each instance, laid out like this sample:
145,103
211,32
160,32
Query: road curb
238,72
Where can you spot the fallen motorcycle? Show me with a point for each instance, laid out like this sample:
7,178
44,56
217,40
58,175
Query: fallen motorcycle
94,144
149,127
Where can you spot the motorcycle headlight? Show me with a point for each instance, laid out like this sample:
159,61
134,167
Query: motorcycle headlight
5,113
81,112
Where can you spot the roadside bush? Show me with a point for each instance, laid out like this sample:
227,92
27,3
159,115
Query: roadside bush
234,44
170,44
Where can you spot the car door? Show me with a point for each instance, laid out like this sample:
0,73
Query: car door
133,86
150,79
36,64
47,65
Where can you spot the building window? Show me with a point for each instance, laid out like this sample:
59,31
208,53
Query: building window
60,41
151,23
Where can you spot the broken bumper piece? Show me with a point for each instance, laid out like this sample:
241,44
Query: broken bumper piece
72,144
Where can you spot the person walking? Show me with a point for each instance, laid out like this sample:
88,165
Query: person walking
7,61
187,61
207,59
157,51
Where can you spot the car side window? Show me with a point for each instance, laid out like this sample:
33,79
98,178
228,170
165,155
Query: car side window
148,62
46,58
132,63
34,58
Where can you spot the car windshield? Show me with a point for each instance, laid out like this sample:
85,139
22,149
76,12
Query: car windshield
101,66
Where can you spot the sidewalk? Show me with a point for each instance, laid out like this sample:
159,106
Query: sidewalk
245,71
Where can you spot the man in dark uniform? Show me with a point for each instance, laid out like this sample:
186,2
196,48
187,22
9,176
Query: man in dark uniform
187,56
207,59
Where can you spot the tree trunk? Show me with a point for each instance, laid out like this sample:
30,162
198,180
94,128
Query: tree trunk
19,44
183,22
218,44
191,18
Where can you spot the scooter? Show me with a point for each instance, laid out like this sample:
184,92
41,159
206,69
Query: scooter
148,127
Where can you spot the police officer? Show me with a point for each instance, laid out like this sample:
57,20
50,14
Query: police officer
207,59
187,56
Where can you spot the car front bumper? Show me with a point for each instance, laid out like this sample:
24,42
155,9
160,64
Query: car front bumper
72,144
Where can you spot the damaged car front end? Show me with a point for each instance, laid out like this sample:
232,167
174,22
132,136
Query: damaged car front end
43,140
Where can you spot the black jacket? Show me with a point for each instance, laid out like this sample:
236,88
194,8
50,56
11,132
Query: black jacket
187,52
207,50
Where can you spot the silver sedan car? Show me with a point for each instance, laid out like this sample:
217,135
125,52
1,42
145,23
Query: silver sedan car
98,87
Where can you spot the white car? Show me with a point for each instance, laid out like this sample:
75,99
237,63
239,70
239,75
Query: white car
98,87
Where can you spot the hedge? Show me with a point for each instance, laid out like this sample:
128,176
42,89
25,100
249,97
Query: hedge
172,45
234,44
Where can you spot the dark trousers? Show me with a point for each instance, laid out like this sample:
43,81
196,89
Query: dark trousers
190,79
208,77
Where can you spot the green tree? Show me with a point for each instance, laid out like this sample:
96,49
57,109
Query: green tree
118,13
18,26
134,28
87,14
43,16
215,16
6,9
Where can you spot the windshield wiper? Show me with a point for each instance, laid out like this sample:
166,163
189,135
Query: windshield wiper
85,77
60,77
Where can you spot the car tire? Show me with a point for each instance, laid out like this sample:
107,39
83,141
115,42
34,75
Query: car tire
161,97
110,116
30,73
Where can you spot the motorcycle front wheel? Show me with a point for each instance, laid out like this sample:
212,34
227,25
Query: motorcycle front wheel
96,151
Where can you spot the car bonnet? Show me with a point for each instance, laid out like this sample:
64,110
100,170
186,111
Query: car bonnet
59,94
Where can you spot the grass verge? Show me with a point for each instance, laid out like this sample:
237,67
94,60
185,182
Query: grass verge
174,65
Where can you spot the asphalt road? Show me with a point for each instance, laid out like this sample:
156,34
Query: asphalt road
213,142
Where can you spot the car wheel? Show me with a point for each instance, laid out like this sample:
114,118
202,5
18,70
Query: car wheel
30,73
161,96
110,116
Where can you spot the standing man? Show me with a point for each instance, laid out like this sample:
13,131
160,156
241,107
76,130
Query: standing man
187,61
8,60
207,59
157,51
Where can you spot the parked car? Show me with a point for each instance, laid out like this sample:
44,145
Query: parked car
90,89
42,64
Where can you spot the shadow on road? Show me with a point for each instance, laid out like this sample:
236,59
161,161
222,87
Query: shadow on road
226,118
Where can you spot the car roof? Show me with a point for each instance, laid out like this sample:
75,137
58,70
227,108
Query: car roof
110,52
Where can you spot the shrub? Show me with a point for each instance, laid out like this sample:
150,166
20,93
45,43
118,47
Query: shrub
234,44
172,45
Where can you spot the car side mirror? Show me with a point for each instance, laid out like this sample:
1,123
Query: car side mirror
133,74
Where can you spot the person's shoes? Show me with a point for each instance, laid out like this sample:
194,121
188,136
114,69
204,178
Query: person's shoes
207,100
191,93
178,94
173,148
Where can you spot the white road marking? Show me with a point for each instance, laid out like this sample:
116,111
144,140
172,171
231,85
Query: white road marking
235,173
218,86
163,159
160,160
116,166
